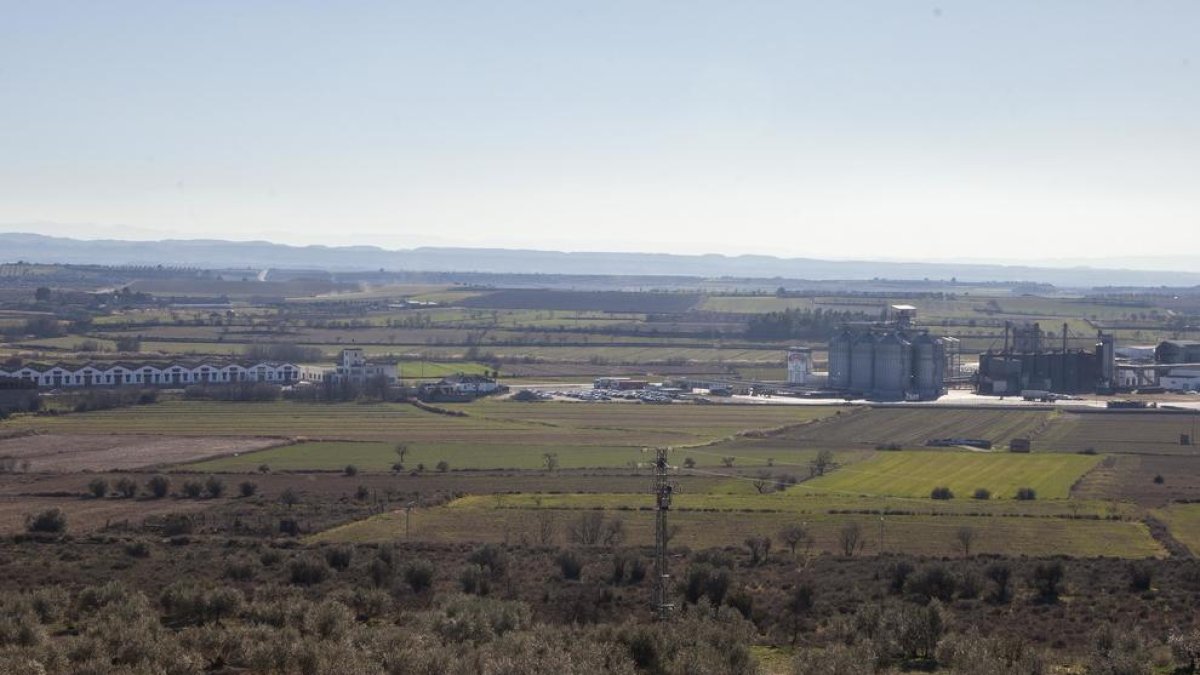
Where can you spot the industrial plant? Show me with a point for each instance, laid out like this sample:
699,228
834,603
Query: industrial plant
1031,360
892,359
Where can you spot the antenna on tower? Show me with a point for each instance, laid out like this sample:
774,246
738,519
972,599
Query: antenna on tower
662,504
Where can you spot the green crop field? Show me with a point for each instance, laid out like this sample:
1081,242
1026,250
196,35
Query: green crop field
911,427
916,474
798,500
1183,520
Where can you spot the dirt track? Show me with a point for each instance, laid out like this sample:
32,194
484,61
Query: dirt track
69,453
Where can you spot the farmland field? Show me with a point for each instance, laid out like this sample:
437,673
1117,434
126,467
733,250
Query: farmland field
67,452
903,534
914,426
916,474
1124,432
1183,520
493,434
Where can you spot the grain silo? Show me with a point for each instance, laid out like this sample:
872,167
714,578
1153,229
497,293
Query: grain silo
929,365
893,365
862,362
839,359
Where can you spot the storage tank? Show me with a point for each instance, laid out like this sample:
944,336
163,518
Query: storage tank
928,366
839,359
893,366
799,365
862,362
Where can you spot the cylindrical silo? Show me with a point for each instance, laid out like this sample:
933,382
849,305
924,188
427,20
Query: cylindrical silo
892,366
927,381
839,359
862,362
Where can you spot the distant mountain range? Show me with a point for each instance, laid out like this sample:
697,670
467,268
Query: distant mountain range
217,254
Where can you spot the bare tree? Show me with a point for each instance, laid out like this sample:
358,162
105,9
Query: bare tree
592,529
401,450
793,536
760,548
547,526
728,461
965,536
763,483
851,539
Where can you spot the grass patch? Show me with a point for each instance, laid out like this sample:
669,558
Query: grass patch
916,474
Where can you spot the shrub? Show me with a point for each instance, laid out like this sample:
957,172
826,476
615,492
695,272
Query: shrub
569,564
98,487
53,521
137,549
290,497
270,557
1047,581
158,486
982,493
1140,577
1026,494
192,489
689,463
637,571
899,573
307,570
177,524
264,468
443,466
247,488
215,487
339,557
619,563
1158,479
127,487
941,493
474,580
932,583
491,558
350,470
999,574
363,493
419,575
239,569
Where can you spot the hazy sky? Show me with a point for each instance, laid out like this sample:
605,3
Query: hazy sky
833,129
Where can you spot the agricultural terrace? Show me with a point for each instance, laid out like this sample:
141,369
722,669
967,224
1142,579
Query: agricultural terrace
909,426
1184,523
1137,432
916,474
489,434
921,535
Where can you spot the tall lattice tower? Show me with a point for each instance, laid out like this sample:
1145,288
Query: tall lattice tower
662,504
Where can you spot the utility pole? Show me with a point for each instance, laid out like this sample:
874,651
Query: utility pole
881,535
662,504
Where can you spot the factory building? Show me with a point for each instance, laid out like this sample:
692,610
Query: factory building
1177,351
888,360
1027,363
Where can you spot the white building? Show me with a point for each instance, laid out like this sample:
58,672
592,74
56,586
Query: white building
169,373
352,366
1180,379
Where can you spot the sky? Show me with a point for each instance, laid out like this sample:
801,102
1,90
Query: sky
1011,130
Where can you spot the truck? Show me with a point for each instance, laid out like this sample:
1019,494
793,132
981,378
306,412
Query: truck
1038,395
